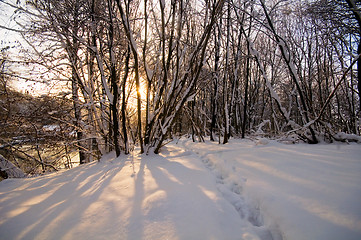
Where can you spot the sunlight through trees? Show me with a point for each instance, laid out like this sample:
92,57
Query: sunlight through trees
141,72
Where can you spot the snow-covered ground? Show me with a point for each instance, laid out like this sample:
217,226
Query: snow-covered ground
243,190
302,191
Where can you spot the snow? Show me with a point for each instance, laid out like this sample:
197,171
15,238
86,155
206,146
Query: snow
243,190
341,136
50,128
302,191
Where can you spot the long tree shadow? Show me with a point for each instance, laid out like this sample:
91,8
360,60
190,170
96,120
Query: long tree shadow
63,204
182,202
135,226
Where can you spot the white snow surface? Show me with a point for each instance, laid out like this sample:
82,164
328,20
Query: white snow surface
297,191
242,190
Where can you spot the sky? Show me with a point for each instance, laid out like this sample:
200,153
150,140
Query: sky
14,40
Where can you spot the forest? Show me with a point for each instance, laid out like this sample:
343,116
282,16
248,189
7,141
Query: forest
140,73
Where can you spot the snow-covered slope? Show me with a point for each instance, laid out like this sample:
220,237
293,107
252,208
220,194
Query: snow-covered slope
242,190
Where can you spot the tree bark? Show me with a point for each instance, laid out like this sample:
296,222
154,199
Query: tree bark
114,82
133,47
214,97
124,117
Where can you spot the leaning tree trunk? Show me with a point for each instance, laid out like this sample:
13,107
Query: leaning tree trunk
287,56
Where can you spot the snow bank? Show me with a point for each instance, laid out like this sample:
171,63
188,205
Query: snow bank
297,191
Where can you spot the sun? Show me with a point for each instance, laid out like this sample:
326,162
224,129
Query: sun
143,90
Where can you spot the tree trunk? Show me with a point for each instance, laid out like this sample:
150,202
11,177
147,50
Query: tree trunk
245,120
359,74
133,47
124,117
286,54
114,83
357,14
214,97
226,78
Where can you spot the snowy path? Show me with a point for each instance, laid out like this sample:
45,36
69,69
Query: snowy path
170,196
299,192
